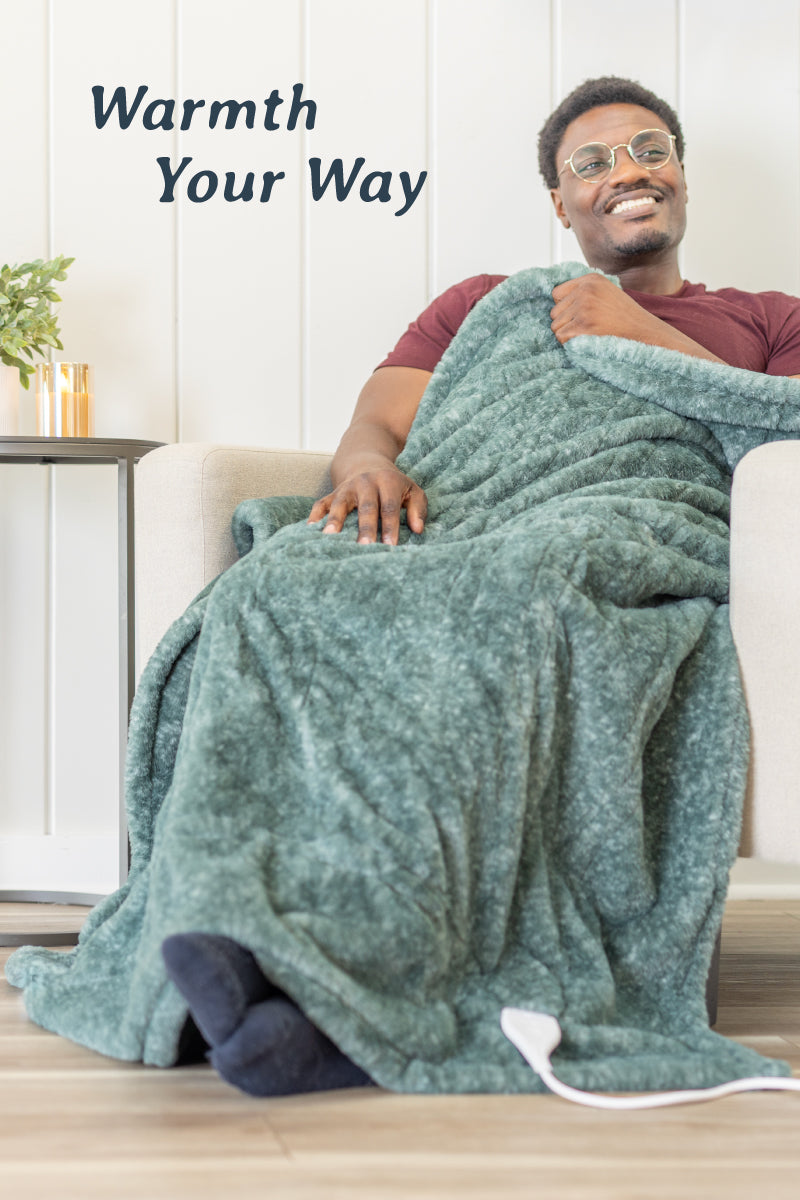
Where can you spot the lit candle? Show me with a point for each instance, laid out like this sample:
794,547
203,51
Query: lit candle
64,400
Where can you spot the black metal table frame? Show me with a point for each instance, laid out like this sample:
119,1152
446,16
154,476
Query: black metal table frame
125,453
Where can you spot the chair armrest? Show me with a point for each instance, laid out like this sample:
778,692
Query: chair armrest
185,496
765,599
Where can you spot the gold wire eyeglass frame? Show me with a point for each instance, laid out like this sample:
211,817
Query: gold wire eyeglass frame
612,152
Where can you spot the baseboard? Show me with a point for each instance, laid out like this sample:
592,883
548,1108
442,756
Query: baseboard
48,864
753,879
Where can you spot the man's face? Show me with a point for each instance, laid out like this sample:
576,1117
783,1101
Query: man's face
614,235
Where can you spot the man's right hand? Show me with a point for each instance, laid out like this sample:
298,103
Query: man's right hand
363,470
379,495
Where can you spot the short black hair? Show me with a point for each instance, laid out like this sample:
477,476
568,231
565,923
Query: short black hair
594,93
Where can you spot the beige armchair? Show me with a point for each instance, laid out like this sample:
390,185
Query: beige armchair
186,494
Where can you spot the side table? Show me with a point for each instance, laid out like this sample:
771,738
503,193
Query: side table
125,453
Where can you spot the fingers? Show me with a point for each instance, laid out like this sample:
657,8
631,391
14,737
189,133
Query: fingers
416,509
379,498
560,312
341,505
573,299
593,304
368,513
320,509
563,289
560,320
391,501
335,506
389,516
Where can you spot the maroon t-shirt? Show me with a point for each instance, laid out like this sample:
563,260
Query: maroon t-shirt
759,331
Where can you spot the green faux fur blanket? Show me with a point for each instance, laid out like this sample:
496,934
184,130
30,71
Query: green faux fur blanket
500,764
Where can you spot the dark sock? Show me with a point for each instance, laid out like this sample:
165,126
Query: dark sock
260,1041
276,1051
218,978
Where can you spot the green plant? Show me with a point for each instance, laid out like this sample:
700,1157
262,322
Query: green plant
27,326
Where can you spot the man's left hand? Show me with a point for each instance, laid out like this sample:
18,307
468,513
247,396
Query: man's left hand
593,304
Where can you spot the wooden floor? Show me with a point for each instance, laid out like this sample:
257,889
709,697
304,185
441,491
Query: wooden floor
75,1126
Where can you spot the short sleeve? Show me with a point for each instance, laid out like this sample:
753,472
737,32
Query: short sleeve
784,322
427,338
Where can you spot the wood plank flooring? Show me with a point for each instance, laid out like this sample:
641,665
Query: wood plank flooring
76,1126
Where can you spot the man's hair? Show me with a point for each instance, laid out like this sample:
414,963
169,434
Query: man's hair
594,93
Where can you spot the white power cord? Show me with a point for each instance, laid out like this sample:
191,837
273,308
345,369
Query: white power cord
536,1036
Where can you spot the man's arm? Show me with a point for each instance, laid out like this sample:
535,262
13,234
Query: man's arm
593,304
363,472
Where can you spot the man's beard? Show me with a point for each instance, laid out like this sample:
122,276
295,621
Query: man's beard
644,241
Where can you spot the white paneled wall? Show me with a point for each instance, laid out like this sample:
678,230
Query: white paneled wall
741,93
238,264
368,65
491,87
257,322
120,313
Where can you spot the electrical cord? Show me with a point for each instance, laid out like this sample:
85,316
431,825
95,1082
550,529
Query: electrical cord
536,1036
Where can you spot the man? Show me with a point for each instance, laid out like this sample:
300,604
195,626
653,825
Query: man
611,155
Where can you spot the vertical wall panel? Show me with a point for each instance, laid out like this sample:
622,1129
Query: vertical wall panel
23,194
118,313
742,120
240,261
120,309
367,267
613,38
23,691
492,91
85,744
23,490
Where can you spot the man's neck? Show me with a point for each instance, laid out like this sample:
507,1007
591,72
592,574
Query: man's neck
656,279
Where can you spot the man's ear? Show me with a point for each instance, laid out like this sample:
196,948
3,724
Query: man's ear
685,188
558,205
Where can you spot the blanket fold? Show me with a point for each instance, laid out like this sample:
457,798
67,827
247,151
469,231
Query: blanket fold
499,764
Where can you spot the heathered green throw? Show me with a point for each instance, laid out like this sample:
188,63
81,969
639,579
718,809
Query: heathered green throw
500,764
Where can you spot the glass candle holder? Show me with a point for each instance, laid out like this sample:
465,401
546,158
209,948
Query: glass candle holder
64,399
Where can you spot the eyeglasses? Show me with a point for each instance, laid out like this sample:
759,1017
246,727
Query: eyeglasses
594,162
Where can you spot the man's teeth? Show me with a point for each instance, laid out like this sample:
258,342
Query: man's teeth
625,205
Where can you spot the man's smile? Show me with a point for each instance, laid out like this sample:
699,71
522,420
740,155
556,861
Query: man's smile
637,202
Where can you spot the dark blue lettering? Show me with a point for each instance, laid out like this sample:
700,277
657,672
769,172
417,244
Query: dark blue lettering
119,100
336,173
